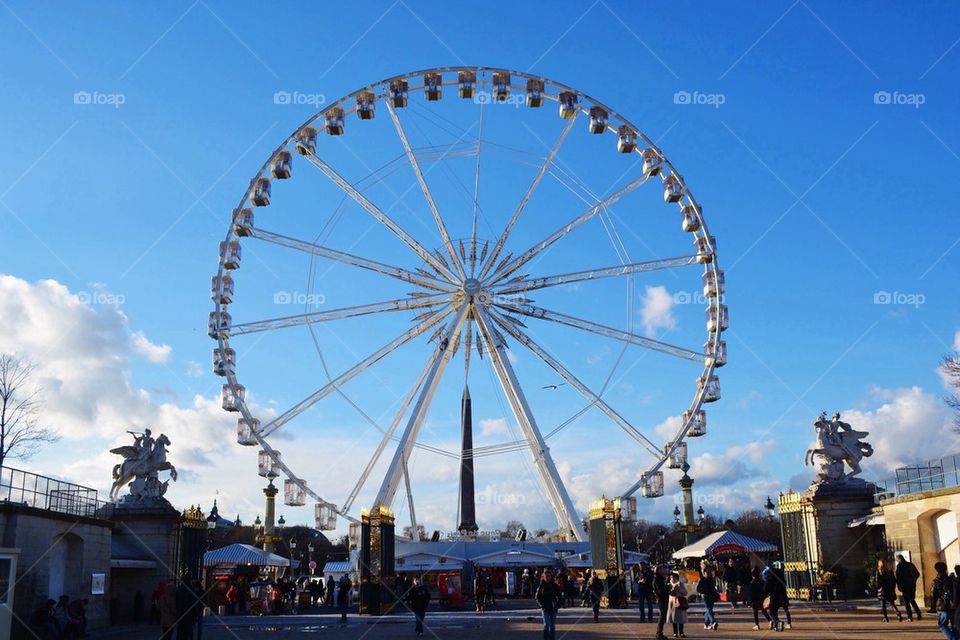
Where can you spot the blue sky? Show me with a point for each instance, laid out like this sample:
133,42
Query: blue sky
821,140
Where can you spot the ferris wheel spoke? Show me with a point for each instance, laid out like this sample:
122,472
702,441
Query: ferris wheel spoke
349,374
575,382
400,304
503,271
595,274
501,241
533,311
411,156
438,363
563,507
387,436
342,257
380,216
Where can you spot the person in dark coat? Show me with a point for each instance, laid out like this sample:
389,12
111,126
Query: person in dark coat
548,597
480,591
645,592
596,594
775,586
707,588
419,596
187,610
331,588
743,581
887,590
343,597
943,602
756,589
730,582
661,591
907,575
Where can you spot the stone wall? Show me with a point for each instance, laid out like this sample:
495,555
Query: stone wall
911,526
57,549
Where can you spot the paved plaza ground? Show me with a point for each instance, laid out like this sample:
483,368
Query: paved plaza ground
854,621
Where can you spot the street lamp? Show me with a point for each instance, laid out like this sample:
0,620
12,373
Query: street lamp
701,516
676,515
281,522
771,509
212,518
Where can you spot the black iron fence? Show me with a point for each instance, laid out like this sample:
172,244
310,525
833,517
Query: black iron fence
42,492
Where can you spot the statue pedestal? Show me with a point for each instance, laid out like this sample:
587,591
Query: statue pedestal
145,543
816,536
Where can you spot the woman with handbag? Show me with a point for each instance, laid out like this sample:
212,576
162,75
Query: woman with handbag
757,600
677,609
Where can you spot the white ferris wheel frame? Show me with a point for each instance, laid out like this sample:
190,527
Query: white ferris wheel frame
463,296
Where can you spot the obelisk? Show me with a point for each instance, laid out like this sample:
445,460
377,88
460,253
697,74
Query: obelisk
468,510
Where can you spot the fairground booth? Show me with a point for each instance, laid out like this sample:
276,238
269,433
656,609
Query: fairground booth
720,547
242,565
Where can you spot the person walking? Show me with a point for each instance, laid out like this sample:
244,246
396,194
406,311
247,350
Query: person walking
678,605
775,597
743,581
596,594
707,588
331,587
548,597
730,576
186,600
907,575
167,609
887,590
480,591
343,597
943,602
661,591
419,596
756,590
645,592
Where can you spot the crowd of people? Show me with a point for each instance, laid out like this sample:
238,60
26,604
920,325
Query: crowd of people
65,619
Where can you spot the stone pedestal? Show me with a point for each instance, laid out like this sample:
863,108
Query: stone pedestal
816,535
145,549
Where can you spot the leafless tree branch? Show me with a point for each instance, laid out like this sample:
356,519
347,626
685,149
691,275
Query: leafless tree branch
21,433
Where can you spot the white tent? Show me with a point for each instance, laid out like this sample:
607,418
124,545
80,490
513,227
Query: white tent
515,558
722,543
235,555
422,561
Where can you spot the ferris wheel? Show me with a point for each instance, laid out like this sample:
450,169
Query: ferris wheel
467,296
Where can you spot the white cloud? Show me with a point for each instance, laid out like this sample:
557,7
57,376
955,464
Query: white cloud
144,348
655,310
668,428
494,426
194,370
733,465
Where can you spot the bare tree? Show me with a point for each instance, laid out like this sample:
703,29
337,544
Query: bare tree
951,367
21,433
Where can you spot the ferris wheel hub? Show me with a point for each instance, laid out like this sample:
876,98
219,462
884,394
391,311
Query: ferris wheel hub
471,286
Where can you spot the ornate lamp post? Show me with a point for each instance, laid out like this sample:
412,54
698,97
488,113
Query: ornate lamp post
771,509
688,526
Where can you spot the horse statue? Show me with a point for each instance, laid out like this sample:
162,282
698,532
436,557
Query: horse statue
141,463
837,442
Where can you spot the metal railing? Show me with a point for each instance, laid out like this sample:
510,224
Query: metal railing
939,473
41,492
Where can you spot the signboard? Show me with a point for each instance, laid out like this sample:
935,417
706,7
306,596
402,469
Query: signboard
312,565
728,549
98,583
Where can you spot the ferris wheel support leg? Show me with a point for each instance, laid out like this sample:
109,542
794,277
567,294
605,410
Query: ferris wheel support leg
575,382
414,531
560,500
441,358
